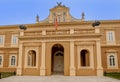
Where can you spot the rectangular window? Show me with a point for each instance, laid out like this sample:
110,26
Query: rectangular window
13,60
1,60
110,36
63,19
1,39
59,19
14,39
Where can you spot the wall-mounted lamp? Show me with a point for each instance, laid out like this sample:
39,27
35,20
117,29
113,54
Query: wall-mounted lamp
96,23
22,27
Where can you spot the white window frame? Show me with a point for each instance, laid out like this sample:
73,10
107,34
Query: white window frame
11,61
115,59
110,36
14,39
1,65
2,40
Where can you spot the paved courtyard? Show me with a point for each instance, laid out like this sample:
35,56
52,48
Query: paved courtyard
56,78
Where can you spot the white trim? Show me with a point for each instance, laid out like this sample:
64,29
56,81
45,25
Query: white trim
3,38
108,61
108,37
14,37
2,60
58,52
11,61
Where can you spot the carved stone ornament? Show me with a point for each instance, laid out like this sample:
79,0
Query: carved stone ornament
59,3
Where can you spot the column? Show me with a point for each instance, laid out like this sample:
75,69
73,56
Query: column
72,66
99,60
19,68
42,68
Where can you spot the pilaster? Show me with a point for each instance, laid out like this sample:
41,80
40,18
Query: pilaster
99,61
72,63
21,33
19,68
42,68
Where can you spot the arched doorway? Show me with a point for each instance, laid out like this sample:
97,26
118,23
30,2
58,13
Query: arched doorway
57,65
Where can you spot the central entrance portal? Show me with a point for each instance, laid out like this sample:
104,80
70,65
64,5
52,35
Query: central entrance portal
57,59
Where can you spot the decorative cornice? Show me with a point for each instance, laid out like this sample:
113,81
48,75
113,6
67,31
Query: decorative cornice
109,46
33,44
9,47
59,37
111,51
85,43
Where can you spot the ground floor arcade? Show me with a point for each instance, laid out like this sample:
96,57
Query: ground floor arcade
70,58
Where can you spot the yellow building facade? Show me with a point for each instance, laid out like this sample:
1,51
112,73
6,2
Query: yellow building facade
75,48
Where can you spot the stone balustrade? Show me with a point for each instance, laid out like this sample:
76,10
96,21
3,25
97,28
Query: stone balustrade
59,32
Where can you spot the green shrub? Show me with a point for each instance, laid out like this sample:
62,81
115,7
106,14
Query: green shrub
6,74
113,74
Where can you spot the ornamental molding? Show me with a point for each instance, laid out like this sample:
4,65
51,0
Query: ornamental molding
32,44
84,43
61,37
111,51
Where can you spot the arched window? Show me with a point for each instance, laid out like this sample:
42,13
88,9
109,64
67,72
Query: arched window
111,60
31,58
84,57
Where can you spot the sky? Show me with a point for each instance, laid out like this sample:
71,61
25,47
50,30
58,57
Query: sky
14,12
